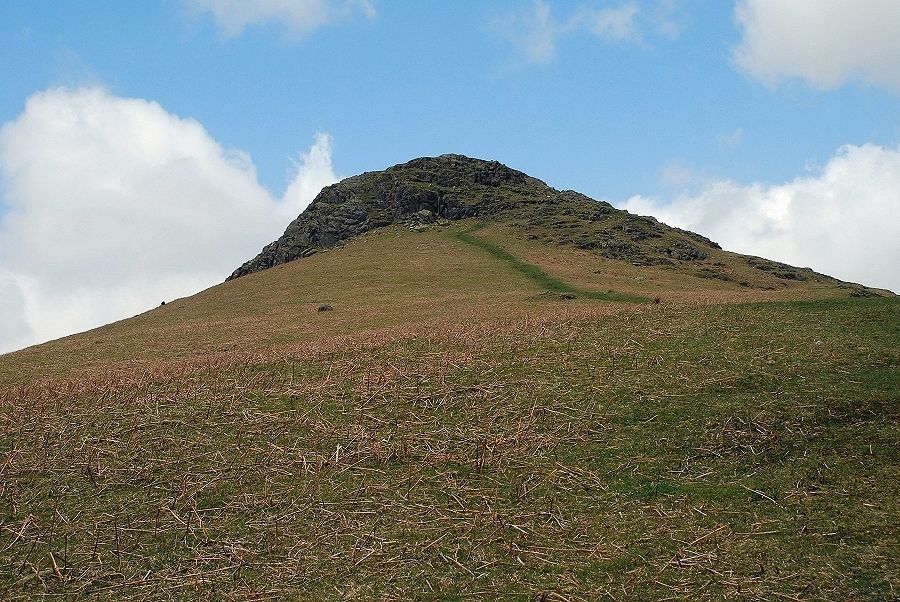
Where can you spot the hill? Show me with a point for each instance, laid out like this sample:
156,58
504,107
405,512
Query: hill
493,406
439,190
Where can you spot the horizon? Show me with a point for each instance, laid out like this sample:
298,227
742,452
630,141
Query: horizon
135,138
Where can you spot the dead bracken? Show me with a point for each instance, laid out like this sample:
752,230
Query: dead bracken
374,465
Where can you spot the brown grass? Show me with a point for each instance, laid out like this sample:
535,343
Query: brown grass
474,440
435,277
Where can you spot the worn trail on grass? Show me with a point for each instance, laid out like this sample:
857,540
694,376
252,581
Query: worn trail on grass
533,272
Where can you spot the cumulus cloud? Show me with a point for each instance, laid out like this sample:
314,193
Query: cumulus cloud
312,172
536,30
15,330
113,204
826,43
299,17
840,220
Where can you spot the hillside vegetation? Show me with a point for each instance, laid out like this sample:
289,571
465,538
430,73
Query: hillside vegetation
486,411
397,276
441,190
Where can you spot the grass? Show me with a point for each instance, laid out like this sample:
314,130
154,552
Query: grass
694,453
533,272
443,435
381,281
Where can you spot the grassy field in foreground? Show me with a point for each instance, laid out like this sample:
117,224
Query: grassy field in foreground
746,451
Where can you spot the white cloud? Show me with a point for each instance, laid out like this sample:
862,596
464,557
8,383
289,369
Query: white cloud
826,43
614,24
15,331
113,205
841,220
299,17
536,31
311,173
667,18
533,32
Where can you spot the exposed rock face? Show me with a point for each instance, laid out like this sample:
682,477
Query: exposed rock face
453,187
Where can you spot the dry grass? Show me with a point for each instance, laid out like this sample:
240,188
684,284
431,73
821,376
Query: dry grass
435,277
487,444
682,282
570,456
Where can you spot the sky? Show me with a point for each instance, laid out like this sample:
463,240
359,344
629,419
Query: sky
148,148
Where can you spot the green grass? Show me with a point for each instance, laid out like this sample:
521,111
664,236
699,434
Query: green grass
536,274
384,281
672,452
444,435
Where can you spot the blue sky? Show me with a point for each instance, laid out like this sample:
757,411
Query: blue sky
423,78
688,109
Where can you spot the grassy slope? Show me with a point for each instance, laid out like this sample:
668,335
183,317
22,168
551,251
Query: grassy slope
465,438
531,271
384,280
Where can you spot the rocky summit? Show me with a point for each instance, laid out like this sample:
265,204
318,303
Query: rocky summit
438,190
435,192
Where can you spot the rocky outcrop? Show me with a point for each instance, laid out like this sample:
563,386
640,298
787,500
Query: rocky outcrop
449,187
437,190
